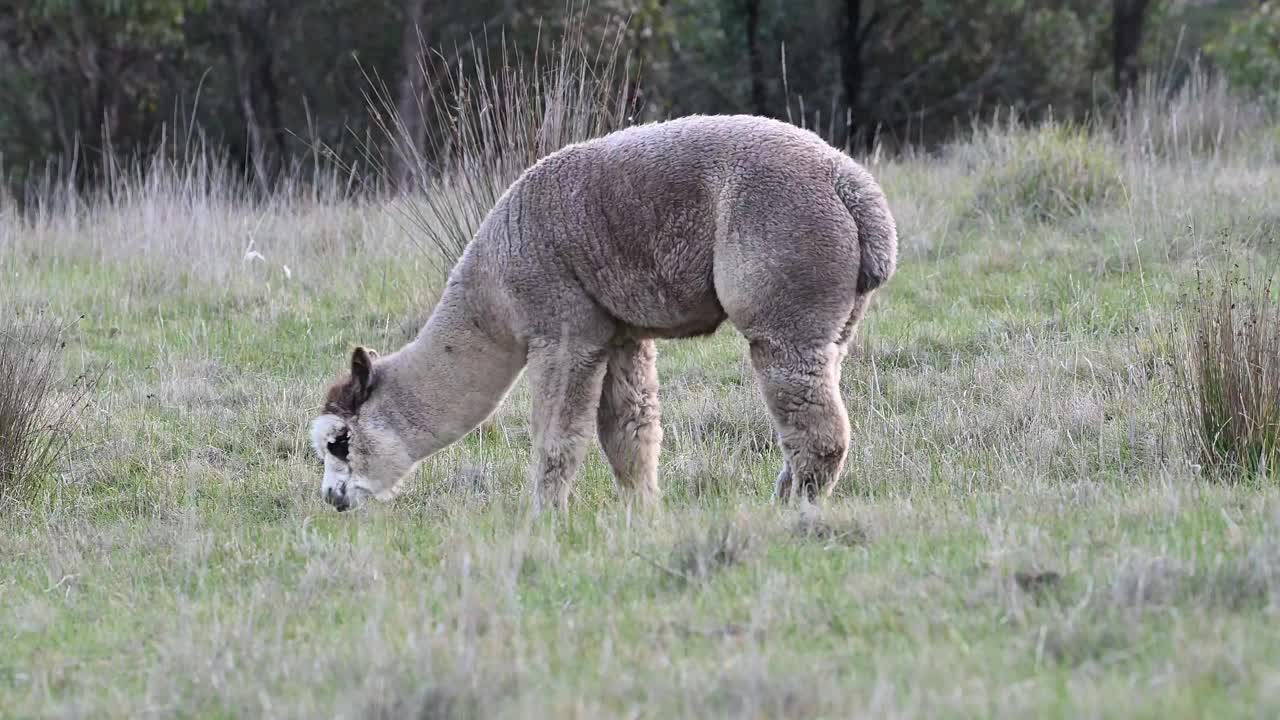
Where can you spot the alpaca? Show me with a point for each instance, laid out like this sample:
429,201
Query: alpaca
662,230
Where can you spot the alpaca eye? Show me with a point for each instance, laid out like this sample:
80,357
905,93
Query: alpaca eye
338,447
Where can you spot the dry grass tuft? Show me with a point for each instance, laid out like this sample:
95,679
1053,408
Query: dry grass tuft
434,702
34,409
752,690
702,554
814,526
1037,582
1228,378
1048,172
497,119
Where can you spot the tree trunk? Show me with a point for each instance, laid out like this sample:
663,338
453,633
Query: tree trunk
95,122
1126,27
271,95
256,146
851,68
409,108
755,59
253,57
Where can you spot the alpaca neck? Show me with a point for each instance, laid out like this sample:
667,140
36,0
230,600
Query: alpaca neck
451,377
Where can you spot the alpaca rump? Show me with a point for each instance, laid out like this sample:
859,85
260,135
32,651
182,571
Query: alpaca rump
663,230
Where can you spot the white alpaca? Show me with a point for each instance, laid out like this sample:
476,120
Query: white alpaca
657,231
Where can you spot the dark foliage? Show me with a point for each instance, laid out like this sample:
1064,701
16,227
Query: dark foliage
83,84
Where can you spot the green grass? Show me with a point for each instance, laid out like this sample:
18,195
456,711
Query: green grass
1019,533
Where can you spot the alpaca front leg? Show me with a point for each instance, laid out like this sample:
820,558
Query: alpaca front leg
782,487
565,381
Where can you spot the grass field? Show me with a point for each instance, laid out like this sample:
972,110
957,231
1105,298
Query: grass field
1020,530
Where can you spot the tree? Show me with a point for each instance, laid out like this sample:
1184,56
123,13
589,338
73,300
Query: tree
855,33
252,51
409,104
755,60
1127,19
1248,51
78,79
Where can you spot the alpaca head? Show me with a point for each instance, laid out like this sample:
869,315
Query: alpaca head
357,437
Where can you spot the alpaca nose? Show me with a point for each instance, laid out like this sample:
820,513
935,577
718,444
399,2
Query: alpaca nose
337,497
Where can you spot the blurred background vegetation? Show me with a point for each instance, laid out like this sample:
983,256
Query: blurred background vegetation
84,83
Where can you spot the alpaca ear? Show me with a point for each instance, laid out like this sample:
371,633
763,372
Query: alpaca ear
362,368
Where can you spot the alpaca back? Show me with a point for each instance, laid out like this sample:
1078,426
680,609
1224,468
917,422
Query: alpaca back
637,219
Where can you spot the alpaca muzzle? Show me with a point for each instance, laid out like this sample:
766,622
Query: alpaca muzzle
338,497
338,489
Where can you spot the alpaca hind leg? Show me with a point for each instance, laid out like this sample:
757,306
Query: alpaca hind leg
628,421
565,380
851,325
800,384
783,488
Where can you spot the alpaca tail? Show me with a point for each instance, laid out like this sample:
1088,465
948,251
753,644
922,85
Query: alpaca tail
877,232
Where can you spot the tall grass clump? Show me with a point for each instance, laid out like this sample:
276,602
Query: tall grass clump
1046,172
34,409
1228,378
488,120
1202,117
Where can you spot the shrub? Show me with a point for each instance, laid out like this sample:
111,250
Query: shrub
1249,52
1046,172
1227,369
34,410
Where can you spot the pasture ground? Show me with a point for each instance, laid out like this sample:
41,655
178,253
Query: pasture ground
1020,531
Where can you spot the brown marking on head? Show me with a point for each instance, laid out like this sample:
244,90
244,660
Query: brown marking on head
354,387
